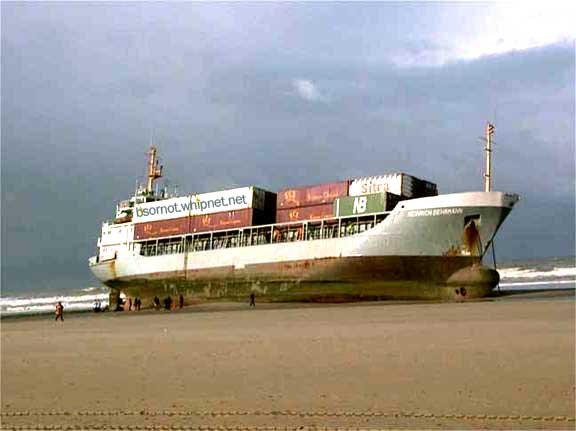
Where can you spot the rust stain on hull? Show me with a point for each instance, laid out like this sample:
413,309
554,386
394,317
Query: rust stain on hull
471,238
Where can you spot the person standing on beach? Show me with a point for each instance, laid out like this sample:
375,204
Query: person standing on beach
181,301
168,303
59,311
252,300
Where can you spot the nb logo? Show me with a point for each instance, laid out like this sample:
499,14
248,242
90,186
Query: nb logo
360,205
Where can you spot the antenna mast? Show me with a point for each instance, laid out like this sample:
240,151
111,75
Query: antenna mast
154,170
488,151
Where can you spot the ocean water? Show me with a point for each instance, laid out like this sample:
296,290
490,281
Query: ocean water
542,274
44,302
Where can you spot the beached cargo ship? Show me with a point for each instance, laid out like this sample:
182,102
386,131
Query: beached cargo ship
387,236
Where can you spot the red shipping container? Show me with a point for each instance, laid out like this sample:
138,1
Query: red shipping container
221,221
312,195
162,228
315,212
204,223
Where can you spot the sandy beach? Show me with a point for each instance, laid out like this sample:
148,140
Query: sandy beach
505,363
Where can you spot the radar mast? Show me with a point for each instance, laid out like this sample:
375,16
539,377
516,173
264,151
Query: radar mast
154,169
488,151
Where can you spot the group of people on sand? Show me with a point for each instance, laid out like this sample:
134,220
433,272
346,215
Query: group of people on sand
121,304
168,305
98,306
137,304
171,305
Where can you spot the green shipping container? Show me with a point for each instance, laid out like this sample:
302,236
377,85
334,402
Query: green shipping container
367,204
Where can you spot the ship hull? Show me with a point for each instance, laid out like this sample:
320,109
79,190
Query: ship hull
428,248
322,280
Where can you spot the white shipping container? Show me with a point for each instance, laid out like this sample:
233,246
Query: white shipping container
199,204
398,184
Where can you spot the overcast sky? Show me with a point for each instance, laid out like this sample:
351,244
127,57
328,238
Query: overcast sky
276,95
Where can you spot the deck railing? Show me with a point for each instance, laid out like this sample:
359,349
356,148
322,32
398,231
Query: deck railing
309,230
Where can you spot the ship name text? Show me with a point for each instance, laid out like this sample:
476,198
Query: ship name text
434,212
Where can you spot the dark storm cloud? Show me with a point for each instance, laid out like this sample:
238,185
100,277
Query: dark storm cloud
266,94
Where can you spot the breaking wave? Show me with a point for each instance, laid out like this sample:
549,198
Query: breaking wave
515,273
45,304
545,274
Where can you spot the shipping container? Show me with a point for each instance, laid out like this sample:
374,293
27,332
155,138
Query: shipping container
400,184
267,216
269,206
423,188
312,195
367,204
314,212
204,223
222,220
231,220
162,228
205,203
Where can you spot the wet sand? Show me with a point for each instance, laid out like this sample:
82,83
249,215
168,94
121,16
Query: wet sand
488,364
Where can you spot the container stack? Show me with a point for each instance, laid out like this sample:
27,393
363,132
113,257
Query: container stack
309,203
404,185
252,206
227,209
